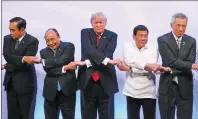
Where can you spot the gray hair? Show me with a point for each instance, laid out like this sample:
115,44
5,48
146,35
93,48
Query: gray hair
98,14
179,15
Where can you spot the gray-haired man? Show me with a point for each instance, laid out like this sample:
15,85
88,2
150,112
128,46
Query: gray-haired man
178,51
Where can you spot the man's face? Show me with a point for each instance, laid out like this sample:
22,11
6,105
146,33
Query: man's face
179,26
14,31
52,40
141,38
98,24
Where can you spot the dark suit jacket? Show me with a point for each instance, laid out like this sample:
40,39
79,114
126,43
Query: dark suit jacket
53,68
23,75
96,55
180,61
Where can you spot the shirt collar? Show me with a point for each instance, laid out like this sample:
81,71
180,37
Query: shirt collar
100,34
143,48
21,37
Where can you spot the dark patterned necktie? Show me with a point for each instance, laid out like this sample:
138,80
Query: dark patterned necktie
178,42
17,44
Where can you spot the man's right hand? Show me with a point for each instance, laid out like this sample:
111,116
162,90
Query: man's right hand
195,66
153,67
29,59
80,63
70,66
114,62
123,67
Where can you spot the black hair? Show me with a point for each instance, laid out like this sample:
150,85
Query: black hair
21,23
139,28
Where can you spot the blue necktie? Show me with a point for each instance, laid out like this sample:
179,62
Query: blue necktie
58,84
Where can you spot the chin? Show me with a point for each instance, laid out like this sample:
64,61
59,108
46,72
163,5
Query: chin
99,31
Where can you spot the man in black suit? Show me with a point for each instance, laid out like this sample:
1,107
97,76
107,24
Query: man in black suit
19,49
60,82
178,51
97,75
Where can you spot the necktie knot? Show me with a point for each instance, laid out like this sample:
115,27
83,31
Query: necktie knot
54,52
98,38
178,42
17,44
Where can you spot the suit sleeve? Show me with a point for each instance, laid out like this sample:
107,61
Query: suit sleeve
10,67
110,49
90,50
51,70
14,62
66,58
17,60
9,57
174,62
54,71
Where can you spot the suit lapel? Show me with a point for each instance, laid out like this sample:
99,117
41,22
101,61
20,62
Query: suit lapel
49,53
12,44
182,46
173,44
93,37
59,50
103,40
23,41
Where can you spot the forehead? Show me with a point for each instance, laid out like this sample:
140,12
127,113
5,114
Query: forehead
98,18
13,25
142,32
50,34
180,21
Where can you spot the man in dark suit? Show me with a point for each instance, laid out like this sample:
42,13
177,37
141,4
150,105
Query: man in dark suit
60,82
19,49
178,51
97,75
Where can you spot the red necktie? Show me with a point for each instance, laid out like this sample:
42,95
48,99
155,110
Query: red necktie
95,75
98,39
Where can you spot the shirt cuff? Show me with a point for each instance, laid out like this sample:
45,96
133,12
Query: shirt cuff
43,62
63,71
88,63
22,59
171,71
130,69
105,61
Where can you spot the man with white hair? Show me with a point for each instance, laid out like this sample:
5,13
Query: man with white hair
178,51
97,75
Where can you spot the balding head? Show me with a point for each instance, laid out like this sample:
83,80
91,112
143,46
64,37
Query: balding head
52,38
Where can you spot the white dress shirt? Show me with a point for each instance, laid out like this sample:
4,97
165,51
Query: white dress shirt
139,83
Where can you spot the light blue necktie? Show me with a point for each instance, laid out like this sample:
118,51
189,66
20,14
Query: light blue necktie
58,84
